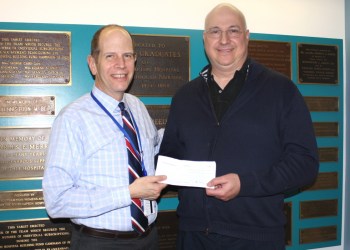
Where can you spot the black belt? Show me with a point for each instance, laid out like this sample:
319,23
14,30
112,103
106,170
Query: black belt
112,234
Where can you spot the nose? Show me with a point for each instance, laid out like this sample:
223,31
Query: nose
119,62
224,37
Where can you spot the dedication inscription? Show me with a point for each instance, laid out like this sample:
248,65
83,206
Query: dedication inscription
275,55
31,57
35,234
318,63
162,65
23,152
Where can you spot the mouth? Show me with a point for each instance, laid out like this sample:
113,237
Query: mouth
119,75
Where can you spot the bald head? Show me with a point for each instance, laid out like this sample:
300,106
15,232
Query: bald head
224,8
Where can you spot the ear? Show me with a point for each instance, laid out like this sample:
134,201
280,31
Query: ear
92,64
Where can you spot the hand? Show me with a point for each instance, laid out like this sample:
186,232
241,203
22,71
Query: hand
147,187
226,187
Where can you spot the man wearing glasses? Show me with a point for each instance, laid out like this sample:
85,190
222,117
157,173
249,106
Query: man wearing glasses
254,124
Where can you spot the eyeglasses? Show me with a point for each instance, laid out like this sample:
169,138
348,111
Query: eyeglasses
217,33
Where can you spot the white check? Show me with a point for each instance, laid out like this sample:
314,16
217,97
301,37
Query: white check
186,173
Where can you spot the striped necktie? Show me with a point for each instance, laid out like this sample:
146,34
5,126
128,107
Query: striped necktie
138,219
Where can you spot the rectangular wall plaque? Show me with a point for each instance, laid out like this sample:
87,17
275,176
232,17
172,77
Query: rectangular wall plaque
326,128
324,104
318,208
318,63
35,234
324,181
163,64
167,225
32,57
320,234
328,154
13,106
21,200
273,54
23,152
288,227
159,114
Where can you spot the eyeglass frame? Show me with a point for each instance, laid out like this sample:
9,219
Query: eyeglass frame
211,32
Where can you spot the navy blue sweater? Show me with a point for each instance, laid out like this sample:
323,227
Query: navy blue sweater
266,137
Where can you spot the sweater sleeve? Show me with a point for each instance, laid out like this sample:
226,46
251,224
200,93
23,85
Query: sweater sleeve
298,164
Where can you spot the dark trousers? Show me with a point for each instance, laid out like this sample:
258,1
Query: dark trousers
81,241
202,241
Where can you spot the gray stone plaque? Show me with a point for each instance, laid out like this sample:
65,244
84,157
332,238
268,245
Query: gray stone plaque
13,106
32,57
23,152
163,64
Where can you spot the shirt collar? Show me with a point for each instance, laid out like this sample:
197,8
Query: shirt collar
107,101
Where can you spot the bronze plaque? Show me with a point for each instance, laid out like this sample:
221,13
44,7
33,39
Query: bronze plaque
23,152
32,57
319,234
163,65
319,208
35,234
328,154
324,181
159,114
21,200
169,192
288,227
324,104
167,225
326,128
318,63
13,106
275,55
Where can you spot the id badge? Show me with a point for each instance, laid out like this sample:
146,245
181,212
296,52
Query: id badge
149,207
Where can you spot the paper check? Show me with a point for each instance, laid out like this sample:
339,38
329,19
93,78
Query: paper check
186,173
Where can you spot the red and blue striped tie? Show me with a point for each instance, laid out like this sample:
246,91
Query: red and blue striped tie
138,218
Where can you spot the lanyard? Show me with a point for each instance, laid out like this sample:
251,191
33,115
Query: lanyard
123,130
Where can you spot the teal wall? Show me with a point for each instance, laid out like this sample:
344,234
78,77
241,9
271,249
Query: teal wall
82,83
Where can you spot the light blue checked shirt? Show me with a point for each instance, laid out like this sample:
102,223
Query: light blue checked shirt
86,175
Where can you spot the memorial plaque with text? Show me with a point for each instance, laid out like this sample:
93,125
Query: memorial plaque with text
326,128
12,106
31,57
275,55
328,154
326,180
35,234
319,208
159,114
288,227
162,65
320,234
23,152
21,200
318,63
167,225
325,104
